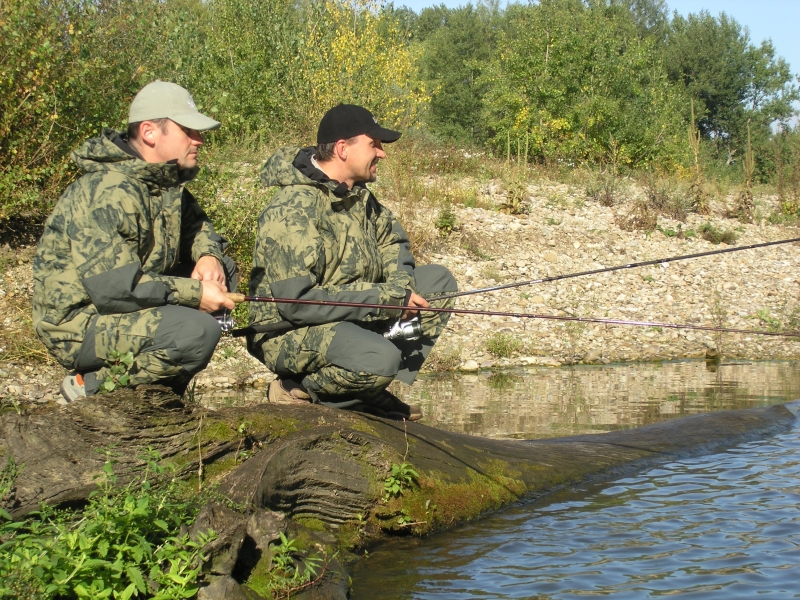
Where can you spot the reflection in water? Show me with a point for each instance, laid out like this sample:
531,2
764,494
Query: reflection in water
720,526
726,525
543,402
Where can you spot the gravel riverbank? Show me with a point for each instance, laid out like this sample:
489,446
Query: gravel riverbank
562,232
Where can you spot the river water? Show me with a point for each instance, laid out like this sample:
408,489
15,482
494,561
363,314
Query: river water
720,526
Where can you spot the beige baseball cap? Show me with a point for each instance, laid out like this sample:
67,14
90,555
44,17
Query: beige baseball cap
165,100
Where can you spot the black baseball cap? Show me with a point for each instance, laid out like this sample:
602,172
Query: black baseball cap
344,121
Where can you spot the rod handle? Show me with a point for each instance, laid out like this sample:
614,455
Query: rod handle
236,297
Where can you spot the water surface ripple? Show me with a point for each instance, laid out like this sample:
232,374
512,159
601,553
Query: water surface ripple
720,526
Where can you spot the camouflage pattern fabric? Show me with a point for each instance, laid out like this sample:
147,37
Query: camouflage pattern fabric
317,241
134,332
336,368
108,248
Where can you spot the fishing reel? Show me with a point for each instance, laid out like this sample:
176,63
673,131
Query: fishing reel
405,330
225,321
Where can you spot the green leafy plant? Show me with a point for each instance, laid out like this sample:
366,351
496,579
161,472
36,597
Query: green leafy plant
244,435
503,345
516,194
771,322
402,477
717,236
446,221
8,475
668,232
12,401
126,543
404,519
290,570
118,367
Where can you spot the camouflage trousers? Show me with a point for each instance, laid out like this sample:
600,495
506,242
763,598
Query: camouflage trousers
343,360
170,344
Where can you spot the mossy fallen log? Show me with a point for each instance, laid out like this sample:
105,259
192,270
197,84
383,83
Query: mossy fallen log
329,470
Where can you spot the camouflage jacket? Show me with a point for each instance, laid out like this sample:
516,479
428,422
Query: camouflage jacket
110,242
317,240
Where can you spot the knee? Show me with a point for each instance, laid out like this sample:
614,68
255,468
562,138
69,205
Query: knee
435,278
359,350
198,345
190,338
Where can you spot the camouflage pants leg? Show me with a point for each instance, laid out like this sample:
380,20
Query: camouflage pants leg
342,360
338,360
170,344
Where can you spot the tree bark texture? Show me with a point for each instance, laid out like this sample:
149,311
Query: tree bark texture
328,470
314,462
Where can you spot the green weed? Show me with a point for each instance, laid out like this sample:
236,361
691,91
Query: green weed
503,345
125,543
604,187
118,366
492,273
786,320
446,221
716,236
402,477
290,570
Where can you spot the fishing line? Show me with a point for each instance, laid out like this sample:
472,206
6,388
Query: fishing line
284,326
610,269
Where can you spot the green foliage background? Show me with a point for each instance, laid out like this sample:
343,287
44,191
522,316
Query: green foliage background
594,82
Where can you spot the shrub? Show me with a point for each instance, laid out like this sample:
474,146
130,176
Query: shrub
125,543
711,234
503,345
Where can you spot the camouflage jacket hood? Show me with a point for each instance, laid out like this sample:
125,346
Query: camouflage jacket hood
293,166
111,242
111,152
319,240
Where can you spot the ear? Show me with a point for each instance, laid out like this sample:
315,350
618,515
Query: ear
148,133
340,149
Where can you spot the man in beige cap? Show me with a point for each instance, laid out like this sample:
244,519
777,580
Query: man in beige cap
128,261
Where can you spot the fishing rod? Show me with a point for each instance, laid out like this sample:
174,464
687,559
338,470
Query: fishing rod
284,326
644,263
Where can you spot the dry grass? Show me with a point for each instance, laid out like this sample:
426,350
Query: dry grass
443,358
18,342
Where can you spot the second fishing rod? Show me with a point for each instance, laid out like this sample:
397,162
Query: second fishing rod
633,265
284,326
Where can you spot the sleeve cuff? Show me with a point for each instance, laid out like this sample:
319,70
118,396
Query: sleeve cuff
188,292
215,252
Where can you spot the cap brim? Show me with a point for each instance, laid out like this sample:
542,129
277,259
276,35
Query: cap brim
387,136
196,121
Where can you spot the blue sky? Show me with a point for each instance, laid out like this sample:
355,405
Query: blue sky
778,20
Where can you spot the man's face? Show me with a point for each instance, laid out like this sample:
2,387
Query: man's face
363,155
177,142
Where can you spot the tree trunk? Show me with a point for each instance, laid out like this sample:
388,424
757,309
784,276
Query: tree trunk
330,468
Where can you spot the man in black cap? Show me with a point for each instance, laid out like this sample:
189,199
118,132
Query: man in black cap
324,237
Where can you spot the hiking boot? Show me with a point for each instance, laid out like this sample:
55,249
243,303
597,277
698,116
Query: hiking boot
393,407
278,393
72,388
